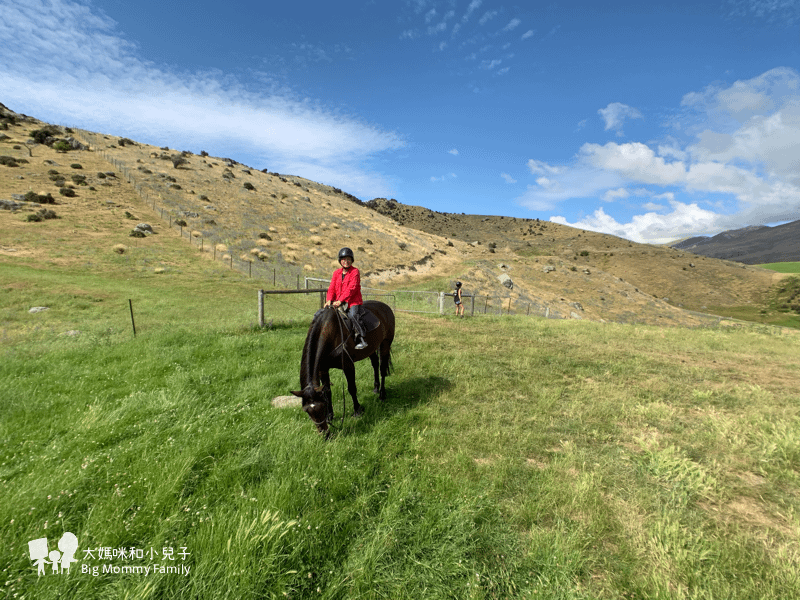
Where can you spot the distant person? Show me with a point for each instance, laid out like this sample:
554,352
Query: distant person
457,300
345,288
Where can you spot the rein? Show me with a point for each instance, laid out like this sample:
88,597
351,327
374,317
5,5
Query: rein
342,346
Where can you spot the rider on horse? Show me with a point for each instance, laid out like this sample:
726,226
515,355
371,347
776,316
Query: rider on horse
345,288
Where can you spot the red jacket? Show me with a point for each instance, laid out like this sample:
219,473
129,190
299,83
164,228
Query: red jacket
347,289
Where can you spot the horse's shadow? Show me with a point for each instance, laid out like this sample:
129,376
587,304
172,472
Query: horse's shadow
402,396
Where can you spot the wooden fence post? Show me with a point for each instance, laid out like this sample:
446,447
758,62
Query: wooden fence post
261,308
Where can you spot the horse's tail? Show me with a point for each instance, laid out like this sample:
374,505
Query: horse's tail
389,363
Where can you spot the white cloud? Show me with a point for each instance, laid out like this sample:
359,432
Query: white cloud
473,6
634,161
781,12
538,167
742,166
650,227
527,34
512,24
615,115
444,177
508,178
613,195
91,76
487,16
454,151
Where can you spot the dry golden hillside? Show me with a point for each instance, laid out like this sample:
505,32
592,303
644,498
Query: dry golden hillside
296,226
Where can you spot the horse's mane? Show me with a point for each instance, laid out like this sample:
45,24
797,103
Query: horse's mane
312,350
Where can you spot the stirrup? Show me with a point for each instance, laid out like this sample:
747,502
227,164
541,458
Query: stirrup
361,345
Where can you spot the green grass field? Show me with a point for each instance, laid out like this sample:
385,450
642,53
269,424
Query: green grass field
783,267
515,457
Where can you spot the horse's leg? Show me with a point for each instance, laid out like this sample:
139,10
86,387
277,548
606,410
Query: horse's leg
325,379
373,358
350,373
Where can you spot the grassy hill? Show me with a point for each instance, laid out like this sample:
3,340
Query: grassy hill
285,227
514,458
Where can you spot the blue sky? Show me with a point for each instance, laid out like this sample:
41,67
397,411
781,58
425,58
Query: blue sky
650,122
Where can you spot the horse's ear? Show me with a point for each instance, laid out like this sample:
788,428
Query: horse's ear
298,394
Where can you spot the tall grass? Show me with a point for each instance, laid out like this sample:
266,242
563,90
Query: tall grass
515,457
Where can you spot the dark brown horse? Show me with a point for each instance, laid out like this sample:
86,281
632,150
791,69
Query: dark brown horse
325,349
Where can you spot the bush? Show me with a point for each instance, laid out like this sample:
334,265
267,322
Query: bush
249,186
8,161
178,160
101,175
67,191
40,135
62,146
43,215
265,236
38,198
79,179
180,222
203,153
124,141
175,186
76,166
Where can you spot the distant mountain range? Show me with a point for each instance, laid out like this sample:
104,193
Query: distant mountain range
753,245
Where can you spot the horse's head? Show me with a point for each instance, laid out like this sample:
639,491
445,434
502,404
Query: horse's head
315,403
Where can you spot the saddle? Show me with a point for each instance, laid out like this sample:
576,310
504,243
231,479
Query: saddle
369,321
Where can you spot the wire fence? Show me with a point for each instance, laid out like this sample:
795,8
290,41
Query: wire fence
171,212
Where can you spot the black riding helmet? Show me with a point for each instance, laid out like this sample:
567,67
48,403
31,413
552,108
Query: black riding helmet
346,252
458,284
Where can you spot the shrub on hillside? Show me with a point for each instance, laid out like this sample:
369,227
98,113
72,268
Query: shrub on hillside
180,222
39,198
178,160
44,214
62,146
76,166
249,186
79,179
41,136
8,161
67,191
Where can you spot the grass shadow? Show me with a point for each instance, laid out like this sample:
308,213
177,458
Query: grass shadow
401,397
